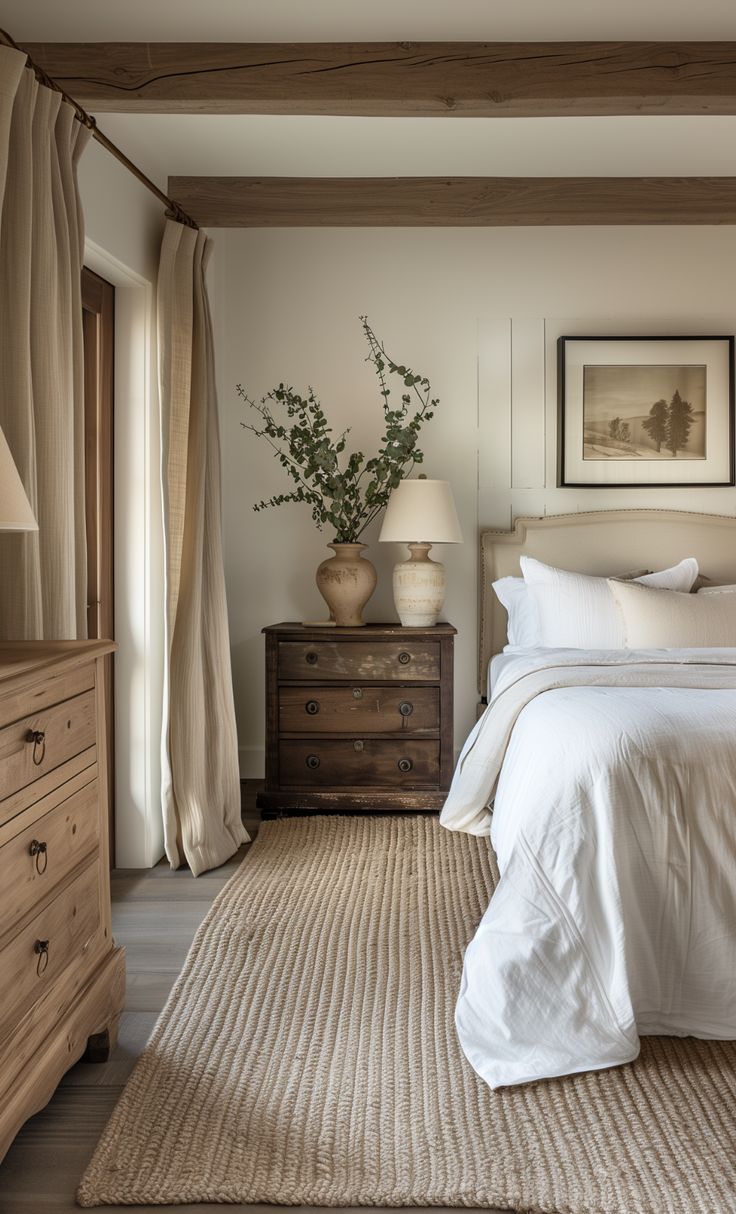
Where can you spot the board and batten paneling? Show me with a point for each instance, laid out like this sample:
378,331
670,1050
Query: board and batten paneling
479,312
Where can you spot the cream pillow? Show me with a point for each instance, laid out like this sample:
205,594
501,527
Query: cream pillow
578,611
666,619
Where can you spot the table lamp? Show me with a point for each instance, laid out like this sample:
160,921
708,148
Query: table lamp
15,508
420,513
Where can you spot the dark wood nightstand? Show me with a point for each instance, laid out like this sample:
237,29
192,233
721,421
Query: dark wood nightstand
358,718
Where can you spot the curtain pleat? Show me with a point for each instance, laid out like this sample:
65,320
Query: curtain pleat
200,777
41,354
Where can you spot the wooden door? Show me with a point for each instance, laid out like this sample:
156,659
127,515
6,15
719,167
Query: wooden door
98,317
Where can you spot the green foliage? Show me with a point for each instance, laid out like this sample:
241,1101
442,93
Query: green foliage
345,491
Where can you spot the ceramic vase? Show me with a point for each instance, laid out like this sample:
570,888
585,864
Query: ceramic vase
346,581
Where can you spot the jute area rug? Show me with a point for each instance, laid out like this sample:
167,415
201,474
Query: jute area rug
307,1055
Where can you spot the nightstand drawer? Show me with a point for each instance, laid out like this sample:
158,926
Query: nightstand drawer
359,710
407,660
321,763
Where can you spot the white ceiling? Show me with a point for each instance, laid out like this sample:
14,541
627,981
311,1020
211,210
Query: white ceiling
322,146
366,20
242,145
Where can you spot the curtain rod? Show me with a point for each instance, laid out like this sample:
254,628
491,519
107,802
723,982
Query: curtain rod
172,208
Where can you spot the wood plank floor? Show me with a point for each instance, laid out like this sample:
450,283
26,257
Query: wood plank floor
155,915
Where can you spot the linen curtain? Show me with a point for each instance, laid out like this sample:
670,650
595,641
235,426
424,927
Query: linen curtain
200,777
41,354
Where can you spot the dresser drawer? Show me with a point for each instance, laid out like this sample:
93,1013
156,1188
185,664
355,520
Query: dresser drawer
45,849
321,763
359,710
407,660
43,740
54,939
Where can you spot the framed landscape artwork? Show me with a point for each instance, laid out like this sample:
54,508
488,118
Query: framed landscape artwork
646,411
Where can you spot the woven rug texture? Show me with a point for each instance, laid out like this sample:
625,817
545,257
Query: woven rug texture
307,1055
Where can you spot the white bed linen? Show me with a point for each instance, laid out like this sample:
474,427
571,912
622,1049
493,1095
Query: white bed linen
614,825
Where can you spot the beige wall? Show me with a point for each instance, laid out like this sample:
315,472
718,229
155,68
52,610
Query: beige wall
478,311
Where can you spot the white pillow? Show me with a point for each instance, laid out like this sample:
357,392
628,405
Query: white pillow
664,619
717,590
523,623
577,611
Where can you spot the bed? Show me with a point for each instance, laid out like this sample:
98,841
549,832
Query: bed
606,779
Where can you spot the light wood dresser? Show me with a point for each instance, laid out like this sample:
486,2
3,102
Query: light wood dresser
358,719
61,977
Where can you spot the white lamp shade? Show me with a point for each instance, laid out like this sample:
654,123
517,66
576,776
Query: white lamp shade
15,508
421,512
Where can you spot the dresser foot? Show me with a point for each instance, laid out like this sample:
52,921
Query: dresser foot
100,1045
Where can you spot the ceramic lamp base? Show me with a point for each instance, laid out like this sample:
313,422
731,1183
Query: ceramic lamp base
419,588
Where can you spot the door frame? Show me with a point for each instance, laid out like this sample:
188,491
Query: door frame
138,566
98,323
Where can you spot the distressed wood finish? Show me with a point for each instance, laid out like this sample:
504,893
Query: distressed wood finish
420,79
274,202
405,661
61,976
363,710
358,719
354,763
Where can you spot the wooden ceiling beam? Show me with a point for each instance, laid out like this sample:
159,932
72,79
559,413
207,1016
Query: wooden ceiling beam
274,202
422,79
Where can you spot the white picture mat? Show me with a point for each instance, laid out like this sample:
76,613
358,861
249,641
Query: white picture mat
714,354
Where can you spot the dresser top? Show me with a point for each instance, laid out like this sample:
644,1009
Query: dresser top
20,659
329,632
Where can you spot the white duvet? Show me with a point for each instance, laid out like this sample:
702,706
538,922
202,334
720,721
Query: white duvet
614,824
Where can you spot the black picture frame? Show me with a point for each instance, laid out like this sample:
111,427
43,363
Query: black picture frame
562,409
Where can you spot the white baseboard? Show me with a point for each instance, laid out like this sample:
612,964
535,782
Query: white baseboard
252,762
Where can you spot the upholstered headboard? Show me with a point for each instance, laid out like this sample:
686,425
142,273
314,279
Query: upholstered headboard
603,542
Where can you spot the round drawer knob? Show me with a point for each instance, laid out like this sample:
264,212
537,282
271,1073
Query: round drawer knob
312,707
41,949
405,764
405,708
404,658
358,744
357,693
310,658
312,761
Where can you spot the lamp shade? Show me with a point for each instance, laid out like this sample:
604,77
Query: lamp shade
421,512
15,509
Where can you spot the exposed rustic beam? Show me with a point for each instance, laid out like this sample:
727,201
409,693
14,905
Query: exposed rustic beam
275,202
483,79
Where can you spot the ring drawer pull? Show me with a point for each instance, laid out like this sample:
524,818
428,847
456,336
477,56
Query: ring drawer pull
404,658
313,761
405,708
312,707
39,850
38,737
41,948
358,744
405,764
310,658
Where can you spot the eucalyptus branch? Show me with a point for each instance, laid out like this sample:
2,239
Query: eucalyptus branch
344,494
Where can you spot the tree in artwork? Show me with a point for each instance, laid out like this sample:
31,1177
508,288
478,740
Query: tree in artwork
679,420
656,424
